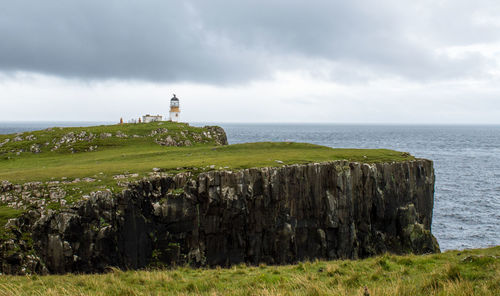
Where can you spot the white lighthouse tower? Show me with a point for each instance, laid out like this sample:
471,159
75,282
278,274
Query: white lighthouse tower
174,109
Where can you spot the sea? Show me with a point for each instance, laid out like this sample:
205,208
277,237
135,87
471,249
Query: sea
466,162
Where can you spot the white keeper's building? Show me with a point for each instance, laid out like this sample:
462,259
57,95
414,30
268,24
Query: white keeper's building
150,118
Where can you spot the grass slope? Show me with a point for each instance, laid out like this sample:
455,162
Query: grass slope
57,140
469,272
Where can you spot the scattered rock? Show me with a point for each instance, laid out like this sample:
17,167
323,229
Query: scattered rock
35,148
119,134
125,176
4,142
30,138
158,132
168,141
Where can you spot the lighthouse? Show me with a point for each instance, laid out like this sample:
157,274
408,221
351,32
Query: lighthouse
174,109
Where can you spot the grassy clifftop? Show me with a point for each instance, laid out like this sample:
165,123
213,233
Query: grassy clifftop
57,166
80,152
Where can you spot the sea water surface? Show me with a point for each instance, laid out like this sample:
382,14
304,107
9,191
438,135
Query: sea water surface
466,161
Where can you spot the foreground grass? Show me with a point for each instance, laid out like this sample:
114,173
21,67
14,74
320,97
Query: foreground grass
469,272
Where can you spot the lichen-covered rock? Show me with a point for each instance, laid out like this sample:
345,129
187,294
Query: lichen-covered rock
217,133
273,215
4,142
17,254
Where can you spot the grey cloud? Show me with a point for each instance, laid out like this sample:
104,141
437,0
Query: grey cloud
225,41
114,39
372,36
463,22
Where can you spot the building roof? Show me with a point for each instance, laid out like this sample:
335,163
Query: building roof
174,98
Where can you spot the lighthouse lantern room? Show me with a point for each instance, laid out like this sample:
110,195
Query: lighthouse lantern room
174,109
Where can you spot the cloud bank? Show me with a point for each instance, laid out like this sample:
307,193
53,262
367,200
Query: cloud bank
232,42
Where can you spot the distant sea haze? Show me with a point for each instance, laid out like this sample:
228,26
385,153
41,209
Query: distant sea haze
466,161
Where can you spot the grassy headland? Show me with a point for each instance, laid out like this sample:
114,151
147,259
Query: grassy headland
468,272
68,163
133,150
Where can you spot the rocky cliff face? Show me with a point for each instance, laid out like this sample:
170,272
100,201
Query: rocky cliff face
272,215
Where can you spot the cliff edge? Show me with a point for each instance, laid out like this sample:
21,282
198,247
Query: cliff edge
275,215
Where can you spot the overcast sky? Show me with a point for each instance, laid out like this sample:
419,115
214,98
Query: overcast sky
400,61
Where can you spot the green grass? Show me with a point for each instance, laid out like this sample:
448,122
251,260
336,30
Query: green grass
139,154
136,134
7,213
143,158
469,272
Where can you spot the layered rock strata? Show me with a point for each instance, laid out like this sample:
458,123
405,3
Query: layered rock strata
275,215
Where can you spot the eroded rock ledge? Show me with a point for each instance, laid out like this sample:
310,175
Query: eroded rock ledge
273,215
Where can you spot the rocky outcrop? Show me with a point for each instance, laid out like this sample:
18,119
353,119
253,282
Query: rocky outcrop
217,133
164,137
218,218
57,140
